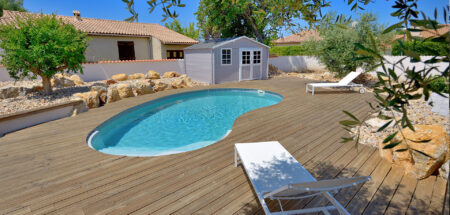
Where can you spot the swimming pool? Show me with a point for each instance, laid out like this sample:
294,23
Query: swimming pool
177,123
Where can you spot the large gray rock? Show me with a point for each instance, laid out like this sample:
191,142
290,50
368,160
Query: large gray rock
13,91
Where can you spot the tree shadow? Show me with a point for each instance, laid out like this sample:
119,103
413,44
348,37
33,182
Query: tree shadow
356,199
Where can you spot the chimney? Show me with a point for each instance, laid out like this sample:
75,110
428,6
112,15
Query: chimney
77,15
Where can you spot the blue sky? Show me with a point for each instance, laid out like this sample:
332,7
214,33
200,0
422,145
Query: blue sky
115,9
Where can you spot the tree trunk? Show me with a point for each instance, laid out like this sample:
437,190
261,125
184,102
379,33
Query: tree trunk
259,37
47,85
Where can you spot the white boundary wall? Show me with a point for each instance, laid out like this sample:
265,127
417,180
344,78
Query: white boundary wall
104,70
301,63
296,63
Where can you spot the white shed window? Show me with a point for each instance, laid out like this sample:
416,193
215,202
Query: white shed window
226,56
246,57
256,57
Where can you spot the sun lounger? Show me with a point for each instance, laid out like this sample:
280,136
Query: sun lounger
345,82
276,175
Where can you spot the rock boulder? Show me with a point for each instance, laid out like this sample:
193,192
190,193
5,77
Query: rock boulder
428,150
142,87
152,75
125,90
136,76
9,92
61,80
90,98
77,80
120,77
159,86
171,74
179,83
112,94
102,93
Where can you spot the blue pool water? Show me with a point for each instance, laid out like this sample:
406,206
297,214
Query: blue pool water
177,123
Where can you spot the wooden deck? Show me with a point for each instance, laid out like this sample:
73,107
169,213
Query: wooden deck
49,169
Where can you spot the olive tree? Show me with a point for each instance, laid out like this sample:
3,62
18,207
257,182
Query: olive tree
392,95
41,46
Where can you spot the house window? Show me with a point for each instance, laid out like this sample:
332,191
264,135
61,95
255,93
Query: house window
256,57
246,57
175,54
126,50
226,56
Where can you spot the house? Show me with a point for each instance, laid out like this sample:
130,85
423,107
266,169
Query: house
296,39
227,60
426,33
120,40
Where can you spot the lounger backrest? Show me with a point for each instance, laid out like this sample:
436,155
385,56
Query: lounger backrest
349,78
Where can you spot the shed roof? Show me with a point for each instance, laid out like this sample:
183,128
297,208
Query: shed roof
210,44
112,27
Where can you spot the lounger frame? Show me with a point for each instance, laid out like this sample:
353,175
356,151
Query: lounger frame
310,87
323,191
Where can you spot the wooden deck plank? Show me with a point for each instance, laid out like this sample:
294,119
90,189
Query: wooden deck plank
367,191
49,169
422,196
402,197
438,196
385,192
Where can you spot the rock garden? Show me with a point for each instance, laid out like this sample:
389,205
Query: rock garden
18,96
428,152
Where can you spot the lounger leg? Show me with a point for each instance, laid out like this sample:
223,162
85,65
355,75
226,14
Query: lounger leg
312,90
338,205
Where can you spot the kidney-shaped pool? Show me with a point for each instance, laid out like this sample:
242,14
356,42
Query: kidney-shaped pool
177,123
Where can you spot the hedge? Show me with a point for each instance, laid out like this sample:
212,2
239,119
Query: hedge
427,48
291,50
440,85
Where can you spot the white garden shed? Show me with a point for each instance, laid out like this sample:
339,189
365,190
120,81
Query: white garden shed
227,60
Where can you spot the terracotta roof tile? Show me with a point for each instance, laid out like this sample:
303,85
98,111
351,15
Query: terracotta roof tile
444,29
300,37
112,27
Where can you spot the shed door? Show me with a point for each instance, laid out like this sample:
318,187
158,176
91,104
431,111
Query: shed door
250,64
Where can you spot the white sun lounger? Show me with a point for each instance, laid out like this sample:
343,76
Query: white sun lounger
345,82
276,175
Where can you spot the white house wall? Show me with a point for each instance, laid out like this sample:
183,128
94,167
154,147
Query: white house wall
105,48
156,49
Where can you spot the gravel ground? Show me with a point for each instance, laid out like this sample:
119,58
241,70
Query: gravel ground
39,99
418,112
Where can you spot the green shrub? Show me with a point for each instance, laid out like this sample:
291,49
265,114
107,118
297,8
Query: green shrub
302,49
41,46
439,85
426,48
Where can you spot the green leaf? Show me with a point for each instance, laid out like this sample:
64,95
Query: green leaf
392,27
346,139
422,141
401,150
351,115
384,126
415,56
389,138
391,145
348,122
